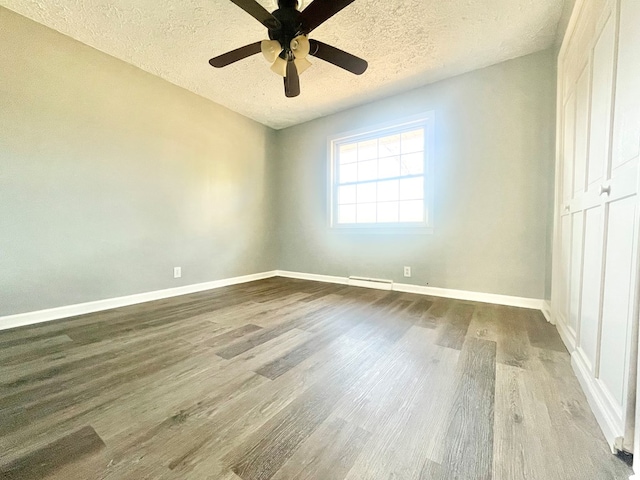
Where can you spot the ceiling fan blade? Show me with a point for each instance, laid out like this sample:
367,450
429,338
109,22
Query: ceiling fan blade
235,55
258,12
292,80
319,11
338,57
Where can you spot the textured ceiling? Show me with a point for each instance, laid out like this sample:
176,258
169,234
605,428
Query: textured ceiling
408,43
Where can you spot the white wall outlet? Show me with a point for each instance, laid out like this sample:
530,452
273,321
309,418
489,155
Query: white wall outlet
177,272
407,271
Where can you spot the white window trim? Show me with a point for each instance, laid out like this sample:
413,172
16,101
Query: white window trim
427,120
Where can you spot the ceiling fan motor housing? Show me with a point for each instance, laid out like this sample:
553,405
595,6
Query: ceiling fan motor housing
288,4
290,25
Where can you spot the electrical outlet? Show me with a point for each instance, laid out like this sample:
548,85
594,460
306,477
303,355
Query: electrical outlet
177,272
407,271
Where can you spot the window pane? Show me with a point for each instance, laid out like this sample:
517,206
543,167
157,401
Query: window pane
348,173
388,191
367,170
413,141
389,146
366,192
347,194
348,153
388,212
412,211
366,213
411,189
412,164
389,167
347,214
380,177
367,150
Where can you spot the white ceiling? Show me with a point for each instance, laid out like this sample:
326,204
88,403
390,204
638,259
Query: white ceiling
408,43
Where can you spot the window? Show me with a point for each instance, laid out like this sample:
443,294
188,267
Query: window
381,179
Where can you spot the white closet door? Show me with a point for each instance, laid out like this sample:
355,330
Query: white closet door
619,191
561,306
599,131
598,210
580,151
620,311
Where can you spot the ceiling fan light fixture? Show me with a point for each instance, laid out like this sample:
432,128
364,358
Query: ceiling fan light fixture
300,46
280,67
270,49
302,64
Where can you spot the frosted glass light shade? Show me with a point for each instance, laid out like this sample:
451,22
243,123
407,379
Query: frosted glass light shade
300,46
280,67
302,64
270,49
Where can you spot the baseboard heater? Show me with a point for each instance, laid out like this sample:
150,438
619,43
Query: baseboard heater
379,283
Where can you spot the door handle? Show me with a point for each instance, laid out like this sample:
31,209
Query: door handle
605,189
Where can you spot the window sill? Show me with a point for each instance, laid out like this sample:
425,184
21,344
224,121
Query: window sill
381,230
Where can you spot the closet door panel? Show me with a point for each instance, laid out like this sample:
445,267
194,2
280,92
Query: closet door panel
591,283
601,99
565,262
568,148
577,237
626,134
617,299
578,48
582,131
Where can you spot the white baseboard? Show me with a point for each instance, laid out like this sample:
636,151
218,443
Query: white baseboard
546,311
313,276
507,300
597,401
40,316
533,303
568,338
376,283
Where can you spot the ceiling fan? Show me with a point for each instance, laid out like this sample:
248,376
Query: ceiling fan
288,46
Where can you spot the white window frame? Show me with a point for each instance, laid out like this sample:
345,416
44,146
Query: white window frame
426,121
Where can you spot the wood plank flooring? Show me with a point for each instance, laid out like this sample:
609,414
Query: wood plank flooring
287,379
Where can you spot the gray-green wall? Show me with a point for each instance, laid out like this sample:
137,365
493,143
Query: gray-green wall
493,174
110,177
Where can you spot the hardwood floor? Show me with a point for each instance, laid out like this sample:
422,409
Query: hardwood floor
287,379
